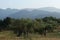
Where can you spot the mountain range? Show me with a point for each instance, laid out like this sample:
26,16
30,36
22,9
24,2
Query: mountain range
5,12
30,13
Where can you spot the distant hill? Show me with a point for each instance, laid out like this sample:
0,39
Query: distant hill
5,12
30,13
50,9
37,13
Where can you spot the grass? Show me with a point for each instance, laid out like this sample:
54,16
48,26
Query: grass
9,35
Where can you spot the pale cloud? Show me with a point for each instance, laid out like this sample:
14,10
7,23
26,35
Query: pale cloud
20,4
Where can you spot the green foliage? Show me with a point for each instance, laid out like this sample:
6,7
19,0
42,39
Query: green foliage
25,26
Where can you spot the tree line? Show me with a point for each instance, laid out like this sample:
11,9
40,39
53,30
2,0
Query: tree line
24,26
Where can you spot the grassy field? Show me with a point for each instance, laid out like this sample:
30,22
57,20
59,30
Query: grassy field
8,35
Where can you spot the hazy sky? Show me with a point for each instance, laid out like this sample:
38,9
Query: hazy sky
21,4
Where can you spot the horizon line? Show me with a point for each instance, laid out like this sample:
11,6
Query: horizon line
29,8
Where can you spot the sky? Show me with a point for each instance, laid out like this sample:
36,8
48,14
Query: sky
21,4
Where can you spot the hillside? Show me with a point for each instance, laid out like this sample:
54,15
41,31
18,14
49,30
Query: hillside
30,13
